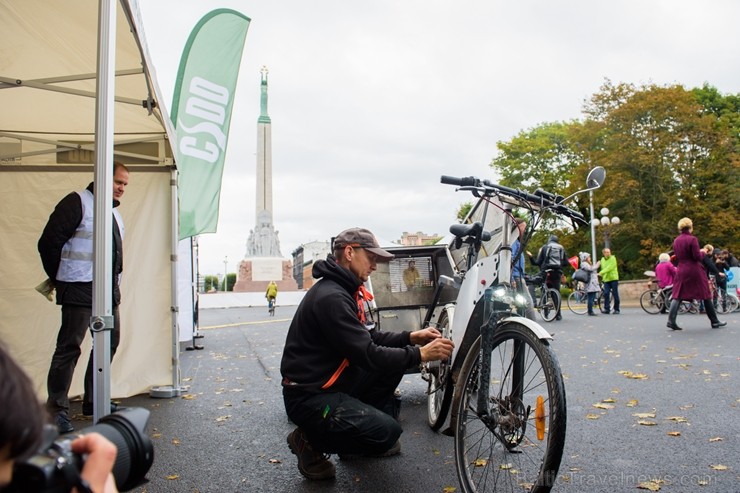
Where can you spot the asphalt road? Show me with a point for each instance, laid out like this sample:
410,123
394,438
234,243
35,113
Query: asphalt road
227,434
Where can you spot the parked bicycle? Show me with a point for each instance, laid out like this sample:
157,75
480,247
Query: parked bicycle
546,299
503,382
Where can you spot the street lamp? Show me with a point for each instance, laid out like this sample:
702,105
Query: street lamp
226,275
605,221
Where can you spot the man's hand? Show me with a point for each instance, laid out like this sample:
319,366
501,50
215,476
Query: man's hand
438,350
101,456
424,336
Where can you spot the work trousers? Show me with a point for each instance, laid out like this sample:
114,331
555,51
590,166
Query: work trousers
361,421
75,324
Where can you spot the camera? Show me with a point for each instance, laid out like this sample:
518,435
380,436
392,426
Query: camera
55,468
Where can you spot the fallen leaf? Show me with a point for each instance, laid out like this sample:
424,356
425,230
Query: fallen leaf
274,461
716,439
599,405
188,397
449,489
223,418
480,462
652,485
175,441
678,419
645,422
632,403
608,399
651,414
172,477
503,466
592,416
674,433
719,467
636,376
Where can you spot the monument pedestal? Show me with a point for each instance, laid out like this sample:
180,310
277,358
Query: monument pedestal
255,274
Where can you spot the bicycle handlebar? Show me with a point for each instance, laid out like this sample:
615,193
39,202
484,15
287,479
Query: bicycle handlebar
539,197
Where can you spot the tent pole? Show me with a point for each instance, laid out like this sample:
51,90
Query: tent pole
101,321
175,389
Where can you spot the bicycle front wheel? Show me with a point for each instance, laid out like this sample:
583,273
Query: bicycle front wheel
516,443
439,394
550,304
578,301
651,301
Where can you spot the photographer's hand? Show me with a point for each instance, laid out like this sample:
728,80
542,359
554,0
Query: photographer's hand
101,456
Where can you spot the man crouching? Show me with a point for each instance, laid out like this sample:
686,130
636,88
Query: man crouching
339,376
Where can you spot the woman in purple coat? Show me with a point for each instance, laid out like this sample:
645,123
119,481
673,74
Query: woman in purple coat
691,280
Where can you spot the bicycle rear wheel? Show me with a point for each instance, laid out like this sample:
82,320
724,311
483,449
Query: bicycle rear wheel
517,445
651,301
439,393
578,301
549,305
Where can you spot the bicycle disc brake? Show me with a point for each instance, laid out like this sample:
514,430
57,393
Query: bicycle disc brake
508,421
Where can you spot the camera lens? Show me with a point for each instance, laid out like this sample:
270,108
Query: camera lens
126,429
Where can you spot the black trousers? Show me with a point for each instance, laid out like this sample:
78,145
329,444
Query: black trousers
75,324
361,421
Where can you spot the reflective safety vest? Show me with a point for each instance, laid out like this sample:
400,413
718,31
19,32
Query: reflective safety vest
76,264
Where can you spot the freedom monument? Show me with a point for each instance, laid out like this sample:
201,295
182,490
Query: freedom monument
263,261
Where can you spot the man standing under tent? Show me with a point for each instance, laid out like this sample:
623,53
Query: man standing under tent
66,249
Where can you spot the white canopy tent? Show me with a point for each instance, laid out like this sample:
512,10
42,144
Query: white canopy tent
47,132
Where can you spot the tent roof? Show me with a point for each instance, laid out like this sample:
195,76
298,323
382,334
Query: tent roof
48,63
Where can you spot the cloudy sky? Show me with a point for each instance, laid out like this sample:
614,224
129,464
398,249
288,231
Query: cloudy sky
372,101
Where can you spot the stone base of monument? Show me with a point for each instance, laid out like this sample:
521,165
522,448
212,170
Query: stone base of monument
255,274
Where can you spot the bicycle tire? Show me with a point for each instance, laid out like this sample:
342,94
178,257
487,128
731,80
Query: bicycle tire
578,301
508,455
439,393
549,305
651,301
726,303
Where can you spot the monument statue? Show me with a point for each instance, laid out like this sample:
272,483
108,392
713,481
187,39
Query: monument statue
263,262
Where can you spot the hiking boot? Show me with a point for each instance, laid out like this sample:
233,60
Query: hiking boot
394,450
312,464
87,408
64,425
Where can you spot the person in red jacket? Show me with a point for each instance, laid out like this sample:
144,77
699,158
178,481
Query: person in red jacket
691,280
339,374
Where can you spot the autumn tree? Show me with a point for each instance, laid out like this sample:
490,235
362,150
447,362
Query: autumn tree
668,153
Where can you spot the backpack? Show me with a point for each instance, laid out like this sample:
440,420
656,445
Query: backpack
553,256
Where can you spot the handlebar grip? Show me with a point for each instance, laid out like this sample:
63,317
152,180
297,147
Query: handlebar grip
466,181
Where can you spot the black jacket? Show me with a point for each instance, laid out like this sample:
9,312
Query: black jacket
62,224
326,329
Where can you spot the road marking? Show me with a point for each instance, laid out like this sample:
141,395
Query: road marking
258,322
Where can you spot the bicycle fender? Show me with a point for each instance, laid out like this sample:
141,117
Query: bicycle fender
538,330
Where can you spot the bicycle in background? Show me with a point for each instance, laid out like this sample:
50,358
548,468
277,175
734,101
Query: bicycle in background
578,300
546,299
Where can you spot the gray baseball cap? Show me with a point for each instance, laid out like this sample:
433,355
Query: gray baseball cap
362,238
